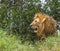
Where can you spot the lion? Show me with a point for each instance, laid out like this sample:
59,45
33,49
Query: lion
44,25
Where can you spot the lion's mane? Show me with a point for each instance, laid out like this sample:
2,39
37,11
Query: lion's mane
48,25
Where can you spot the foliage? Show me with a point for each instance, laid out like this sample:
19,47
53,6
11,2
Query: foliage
52,8
16,15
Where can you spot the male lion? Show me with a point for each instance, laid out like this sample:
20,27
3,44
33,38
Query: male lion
43,25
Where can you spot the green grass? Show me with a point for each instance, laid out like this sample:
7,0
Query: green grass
13,43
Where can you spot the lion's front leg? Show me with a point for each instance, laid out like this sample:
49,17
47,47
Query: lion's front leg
41,32
43,36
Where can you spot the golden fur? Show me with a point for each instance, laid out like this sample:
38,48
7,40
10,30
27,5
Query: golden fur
45,25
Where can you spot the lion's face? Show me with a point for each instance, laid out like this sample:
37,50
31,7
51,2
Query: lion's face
35,24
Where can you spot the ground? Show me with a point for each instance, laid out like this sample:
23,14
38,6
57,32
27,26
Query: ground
12,43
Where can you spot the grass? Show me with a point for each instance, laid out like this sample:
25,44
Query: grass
13,43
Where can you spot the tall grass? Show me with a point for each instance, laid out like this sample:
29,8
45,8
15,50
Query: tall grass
13,43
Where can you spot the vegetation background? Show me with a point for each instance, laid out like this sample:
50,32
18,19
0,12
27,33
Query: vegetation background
15,19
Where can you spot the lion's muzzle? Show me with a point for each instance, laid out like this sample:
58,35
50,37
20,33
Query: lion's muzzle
34,27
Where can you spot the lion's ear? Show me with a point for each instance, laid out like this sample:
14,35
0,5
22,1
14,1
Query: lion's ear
43,20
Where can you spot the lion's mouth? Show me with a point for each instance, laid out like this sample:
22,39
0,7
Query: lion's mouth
35,30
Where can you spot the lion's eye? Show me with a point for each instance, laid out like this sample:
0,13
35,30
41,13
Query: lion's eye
35,21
